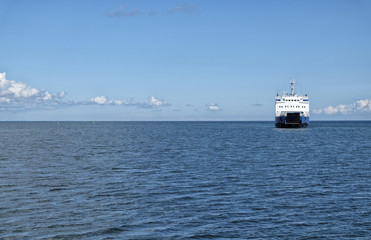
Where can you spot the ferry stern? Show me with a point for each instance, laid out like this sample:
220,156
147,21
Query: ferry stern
292,110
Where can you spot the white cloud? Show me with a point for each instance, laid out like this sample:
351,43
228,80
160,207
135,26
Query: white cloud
119,102
154,102
360,106
102,100
19,93
364,105
13,89
4,100
213,107
99,100
124,12
187,9
47,96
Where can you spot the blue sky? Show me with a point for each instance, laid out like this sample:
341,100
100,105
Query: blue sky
182,60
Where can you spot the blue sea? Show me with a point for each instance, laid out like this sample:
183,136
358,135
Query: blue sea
184,180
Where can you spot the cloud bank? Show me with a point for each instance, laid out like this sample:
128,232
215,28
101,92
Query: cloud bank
360,106
152,102
19,95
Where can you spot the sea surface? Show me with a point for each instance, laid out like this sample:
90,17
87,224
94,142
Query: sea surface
184,180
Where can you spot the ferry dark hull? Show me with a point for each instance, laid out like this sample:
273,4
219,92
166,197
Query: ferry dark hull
292,121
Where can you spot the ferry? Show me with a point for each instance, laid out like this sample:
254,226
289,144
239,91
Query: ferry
292,110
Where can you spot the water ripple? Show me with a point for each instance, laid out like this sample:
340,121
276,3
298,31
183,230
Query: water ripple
184,180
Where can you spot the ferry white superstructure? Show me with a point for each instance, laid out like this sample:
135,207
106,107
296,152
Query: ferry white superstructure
292,110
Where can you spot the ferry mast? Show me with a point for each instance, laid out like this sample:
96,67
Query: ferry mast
292,87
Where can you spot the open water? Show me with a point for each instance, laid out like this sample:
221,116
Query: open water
184,180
